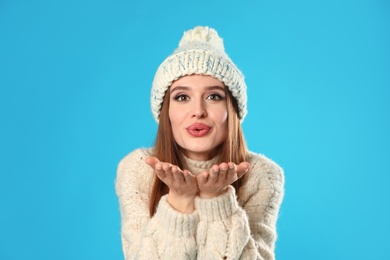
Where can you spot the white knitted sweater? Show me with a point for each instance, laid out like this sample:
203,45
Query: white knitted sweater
224,227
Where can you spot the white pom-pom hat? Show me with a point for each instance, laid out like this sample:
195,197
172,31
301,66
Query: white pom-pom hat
201,51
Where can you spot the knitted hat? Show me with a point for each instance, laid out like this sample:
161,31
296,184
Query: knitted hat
201,51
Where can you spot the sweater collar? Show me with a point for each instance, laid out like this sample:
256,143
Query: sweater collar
196,167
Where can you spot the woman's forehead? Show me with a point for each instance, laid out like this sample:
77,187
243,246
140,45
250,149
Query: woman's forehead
202,80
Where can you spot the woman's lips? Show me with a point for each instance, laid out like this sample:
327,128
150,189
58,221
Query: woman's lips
198,129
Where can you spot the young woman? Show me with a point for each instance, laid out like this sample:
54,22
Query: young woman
199,193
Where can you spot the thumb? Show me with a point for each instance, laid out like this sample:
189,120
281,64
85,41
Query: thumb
202,178
242,168
152,161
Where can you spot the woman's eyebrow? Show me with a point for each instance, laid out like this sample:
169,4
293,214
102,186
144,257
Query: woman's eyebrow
207,88
180,88
214,88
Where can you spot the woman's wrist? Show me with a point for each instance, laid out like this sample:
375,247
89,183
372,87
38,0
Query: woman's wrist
205,195
182,204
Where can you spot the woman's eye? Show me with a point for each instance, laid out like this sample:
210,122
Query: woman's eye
215,97
181,98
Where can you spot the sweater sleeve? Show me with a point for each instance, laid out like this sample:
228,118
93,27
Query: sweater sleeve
243,228
168,234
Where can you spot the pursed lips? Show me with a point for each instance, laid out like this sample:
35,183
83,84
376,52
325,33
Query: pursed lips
198,129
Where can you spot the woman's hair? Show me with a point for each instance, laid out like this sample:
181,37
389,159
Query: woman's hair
233,149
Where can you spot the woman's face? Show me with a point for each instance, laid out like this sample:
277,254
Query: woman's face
198,115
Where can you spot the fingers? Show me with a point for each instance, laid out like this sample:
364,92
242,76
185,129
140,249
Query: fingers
242,168
179,175
188,177
203,177
209,182
224,172
162,170
151,161
215,171
168,172
232,169
176,173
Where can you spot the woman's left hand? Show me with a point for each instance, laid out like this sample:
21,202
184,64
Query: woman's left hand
215,181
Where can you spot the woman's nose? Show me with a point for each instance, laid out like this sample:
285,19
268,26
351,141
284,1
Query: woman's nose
199,109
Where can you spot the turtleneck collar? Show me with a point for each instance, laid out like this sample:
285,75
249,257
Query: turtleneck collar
196,167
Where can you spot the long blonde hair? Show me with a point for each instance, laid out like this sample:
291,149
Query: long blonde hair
233,149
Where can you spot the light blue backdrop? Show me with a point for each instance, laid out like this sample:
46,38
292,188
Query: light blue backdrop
75,78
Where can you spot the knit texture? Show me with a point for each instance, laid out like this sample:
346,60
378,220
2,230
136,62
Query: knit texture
229,226
200,51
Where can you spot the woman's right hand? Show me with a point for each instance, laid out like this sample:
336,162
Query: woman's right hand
182,184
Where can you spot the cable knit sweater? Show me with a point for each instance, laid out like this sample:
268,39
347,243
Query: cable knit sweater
224,227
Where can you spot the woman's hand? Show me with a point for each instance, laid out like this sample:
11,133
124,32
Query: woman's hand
182,184
215,181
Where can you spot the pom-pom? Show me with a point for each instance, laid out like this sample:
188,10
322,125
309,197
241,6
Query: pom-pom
201,34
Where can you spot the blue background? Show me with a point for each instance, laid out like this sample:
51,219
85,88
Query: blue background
75,79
